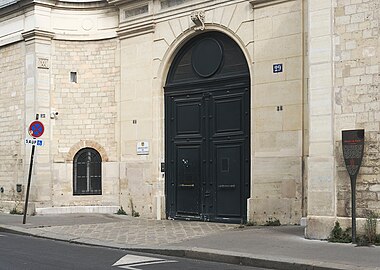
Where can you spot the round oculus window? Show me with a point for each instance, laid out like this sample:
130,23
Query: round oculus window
207,57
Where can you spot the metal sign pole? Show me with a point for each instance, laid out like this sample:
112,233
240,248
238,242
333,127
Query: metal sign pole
353,210
29,180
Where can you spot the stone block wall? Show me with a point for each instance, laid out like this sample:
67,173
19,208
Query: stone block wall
87,115
139,112
321,191
278,112
357,99
344,79
87,109
12,124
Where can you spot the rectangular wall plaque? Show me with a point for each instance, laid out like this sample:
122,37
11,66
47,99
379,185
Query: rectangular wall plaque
43,63
142,148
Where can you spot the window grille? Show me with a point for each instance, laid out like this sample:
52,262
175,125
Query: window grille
87,172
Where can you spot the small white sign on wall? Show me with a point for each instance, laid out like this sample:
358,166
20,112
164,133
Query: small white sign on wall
142,148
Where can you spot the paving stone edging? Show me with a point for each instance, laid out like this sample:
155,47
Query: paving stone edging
192,253
241,259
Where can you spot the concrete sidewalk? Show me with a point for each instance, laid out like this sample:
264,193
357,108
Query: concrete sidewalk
281,247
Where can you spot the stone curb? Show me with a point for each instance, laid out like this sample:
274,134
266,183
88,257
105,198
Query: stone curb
245,259
193,253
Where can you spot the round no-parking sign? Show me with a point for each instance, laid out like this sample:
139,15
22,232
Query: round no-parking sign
36,129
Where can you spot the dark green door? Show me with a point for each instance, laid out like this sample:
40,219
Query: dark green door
207,127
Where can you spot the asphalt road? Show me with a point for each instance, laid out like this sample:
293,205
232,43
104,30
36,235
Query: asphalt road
26,253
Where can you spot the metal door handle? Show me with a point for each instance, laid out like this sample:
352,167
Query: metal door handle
226,186
186,185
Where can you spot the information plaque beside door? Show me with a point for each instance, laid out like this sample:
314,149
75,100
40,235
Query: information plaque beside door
142,148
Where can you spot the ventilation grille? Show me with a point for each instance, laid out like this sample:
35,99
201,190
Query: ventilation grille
129,13
171,3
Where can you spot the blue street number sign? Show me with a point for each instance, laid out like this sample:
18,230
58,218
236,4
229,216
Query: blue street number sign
277,68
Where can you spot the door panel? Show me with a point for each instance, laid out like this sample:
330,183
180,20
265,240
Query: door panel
188,175
185,131
208,149
228,175
229,138
228,114
188,116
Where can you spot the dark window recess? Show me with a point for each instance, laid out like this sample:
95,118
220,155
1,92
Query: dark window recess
171,3
135,11
73,77
87,172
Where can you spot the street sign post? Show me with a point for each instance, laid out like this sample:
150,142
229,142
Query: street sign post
36,129
353,149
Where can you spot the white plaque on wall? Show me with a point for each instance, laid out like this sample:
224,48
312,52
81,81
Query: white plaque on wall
142,148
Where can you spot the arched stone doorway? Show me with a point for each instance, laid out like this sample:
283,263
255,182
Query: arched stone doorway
207,131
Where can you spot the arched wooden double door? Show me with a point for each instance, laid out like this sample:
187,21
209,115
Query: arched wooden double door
207,131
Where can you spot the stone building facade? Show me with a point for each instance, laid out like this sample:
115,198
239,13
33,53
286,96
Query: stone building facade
344,76
156,91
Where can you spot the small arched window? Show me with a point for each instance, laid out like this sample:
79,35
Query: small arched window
87,172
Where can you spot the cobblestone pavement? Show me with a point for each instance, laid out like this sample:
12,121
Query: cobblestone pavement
141,232
272,247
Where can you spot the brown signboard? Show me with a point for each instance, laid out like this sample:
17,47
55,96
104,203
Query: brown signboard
353,149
